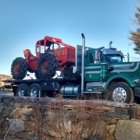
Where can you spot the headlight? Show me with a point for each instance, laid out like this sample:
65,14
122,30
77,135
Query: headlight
136,81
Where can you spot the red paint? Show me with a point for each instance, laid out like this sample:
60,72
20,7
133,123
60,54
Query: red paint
64,53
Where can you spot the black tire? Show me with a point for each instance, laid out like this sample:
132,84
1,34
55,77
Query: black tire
121,92
34,90
47,66
22,90
19,68
36,75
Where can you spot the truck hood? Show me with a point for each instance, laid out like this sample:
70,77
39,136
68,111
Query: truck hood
131,68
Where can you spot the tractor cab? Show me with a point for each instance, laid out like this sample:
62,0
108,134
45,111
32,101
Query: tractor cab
64,53
48,43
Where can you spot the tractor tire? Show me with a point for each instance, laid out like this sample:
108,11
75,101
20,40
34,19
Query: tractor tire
19,68
121,92
36,75
47,66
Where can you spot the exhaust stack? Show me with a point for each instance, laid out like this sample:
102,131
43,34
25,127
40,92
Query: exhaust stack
83,60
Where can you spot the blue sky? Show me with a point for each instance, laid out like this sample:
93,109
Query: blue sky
23,22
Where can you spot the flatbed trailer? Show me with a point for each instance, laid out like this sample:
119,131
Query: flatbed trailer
41,88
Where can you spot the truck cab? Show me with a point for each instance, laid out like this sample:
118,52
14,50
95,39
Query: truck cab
106,72
99,63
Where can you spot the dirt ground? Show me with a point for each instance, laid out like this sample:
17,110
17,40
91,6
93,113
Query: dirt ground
5,92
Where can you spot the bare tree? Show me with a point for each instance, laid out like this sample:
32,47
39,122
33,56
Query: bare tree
135,35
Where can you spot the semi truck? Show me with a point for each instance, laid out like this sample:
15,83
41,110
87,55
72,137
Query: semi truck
85,72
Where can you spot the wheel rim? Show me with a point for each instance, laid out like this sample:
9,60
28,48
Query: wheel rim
119,94
16,68
21,92
34,92
44,66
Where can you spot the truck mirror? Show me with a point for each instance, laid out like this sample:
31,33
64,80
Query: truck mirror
97,56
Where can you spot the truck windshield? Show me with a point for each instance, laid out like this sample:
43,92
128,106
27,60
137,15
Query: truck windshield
113,58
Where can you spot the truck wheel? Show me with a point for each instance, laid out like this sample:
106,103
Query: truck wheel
47,66
34,90
121,92
19,68
22,90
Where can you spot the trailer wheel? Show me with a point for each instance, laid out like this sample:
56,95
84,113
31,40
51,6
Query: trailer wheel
34,90
19,68
22,90
121,92
47,66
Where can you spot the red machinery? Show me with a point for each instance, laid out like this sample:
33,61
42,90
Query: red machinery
51,55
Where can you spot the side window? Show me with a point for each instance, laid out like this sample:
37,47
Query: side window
116,59
37,49
91,57
54,46
101,57
42,49
95,57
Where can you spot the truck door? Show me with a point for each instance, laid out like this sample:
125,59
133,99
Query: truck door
95,69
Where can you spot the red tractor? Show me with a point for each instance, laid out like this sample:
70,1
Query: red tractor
51,55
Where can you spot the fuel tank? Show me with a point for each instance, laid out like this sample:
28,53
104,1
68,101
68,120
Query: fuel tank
70,90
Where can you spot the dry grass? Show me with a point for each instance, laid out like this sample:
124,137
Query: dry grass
66,120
